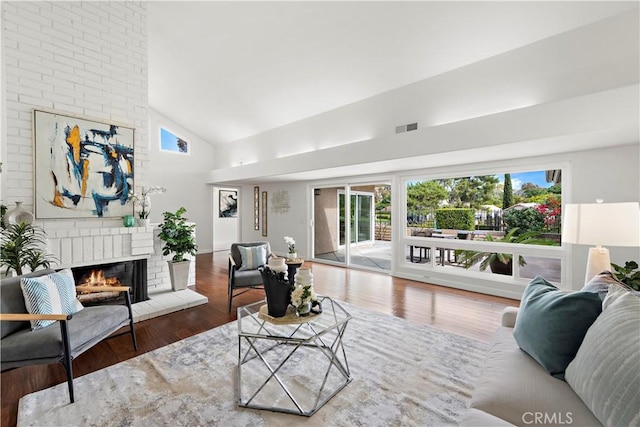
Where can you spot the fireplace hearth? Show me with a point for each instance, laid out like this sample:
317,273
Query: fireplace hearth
132,273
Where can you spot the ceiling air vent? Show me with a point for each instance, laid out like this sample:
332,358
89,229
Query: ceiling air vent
407,128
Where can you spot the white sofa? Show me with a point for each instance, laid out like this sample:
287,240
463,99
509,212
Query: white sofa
602,380
515,390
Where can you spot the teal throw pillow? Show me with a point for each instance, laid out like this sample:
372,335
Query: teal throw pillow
252,257
551,323
51,294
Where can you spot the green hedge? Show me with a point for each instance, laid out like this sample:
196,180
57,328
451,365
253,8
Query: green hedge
524,220
455,219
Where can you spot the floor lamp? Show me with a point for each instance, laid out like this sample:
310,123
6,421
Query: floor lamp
611,224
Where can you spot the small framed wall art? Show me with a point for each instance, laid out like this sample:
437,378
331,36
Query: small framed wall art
228,204
264,213
256,208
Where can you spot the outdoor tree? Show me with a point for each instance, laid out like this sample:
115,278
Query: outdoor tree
529,190
382,197
555,189
507,197
425,195
471,191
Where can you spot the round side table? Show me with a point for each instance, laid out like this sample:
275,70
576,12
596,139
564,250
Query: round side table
292,268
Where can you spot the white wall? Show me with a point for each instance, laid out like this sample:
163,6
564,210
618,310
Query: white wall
613,175
86,59
595,58
89,59
183,176
226,230
609,173
292,223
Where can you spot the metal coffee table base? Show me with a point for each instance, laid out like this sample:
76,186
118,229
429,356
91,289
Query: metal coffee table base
294,369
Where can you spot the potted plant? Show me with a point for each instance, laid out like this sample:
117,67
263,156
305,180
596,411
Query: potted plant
179,240
23,245
291,245
501,263
629,274
142,203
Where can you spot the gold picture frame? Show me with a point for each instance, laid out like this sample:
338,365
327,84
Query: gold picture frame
264,213
256,208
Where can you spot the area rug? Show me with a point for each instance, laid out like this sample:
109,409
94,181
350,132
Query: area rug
403,374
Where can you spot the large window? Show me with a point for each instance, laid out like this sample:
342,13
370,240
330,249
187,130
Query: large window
486,212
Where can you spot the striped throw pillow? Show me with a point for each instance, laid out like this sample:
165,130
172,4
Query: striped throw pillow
252,256
606,371
51,294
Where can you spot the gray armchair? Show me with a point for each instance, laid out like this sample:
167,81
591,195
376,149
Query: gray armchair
244,279
62,341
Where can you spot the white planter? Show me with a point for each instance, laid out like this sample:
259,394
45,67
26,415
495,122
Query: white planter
179,273
292,255
143,222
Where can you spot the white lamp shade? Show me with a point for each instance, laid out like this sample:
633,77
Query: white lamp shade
604,224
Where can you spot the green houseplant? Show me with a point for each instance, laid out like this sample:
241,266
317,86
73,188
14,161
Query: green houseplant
179,239
629,274
501,263
23,245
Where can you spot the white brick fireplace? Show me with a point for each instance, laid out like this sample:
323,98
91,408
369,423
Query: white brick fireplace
88,59
91,242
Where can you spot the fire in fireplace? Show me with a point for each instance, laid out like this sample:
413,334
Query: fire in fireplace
131,273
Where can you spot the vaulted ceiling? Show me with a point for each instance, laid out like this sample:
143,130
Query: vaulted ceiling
230,70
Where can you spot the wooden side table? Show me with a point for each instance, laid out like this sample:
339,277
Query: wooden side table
293,265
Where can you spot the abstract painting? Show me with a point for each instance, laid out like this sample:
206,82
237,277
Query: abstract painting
83,168
228,204
172,143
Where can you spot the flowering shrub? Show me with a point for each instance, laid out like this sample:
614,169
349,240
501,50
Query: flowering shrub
291,243
142,201
552,213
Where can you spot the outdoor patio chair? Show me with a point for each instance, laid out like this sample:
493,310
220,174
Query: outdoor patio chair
423,251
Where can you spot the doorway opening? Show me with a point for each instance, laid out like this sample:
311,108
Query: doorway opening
352,225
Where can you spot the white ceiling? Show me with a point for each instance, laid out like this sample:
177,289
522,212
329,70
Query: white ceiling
230,70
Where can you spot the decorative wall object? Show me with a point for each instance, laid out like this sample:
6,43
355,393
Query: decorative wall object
172,143
228,204
264,213
256,208
280,202
83,168
17,214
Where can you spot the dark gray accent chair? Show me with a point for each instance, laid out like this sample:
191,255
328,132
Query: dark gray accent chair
62,341
245,280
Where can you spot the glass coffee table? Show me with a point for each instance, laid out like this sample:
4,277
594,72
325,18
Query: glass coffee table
291,364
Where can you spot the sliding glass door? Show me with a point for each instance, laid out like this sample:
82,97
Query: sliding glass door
361,218
352,225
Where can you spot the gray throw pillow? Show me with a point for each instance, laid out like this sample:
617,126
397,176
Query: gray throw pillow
606,371
600,284
552,323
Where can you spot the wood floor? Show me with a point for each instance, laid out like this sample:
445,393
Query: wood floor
465,313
